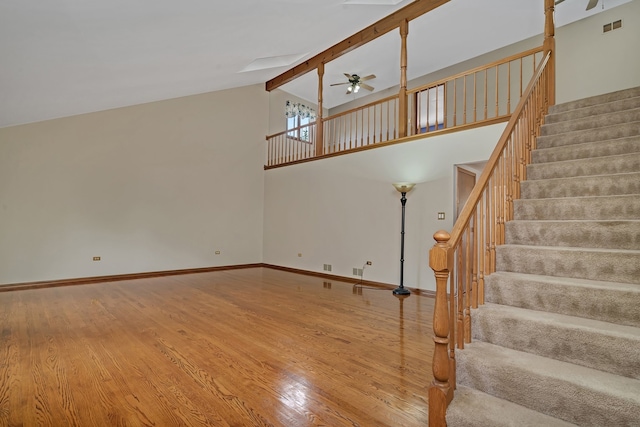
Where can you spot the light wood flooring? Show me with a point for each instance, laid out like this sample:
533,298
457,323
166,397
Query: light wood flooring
252,347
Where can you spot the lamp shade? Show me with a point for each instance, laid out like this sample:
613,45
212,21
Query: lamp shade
403,187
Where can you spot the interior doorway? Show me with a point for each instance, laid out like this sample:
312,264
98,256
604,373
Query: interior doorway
465,181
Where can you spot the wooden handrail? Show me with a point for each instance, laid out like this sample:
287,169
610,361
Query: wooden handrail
371,104
290,130
467,210
464,257
479,68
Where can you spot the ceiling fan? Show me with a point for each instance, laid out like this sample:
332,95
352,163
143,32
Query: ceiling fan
590,5
355,83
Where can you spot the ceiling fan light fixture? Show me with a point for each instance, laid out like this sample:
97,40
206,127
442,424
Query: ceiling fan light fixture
356,88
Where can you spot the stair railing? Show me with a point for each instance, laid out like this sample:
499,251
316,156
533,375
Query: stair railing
467,255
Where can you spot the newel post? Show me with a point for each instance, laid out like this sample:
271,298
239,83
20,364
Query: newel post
403,105
549,45
440,390
319,123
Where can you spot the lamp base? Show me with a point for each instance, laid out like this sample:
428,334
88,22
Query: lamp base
401,290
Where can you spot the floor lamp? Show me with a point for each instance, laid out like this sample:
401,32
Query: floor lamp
403,188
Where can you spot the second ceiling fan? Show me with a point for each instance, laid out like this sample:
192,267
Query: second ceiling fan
355,83
590,5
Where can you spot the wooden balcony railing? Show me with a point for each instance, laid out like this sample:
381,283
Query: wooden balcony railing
370,124
292,145
481,96
463,258
484,94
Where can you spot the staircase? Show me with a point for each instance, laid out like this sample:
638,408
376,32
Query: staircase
558,341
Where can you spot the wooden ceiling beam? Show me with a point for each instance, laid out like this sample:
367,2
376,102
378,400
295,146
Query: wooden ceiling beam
383,26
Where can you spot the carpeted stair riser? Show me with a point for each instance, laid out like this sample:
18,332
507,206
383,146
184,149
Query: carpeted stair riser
624,207
595,100
593,110
624,130
601,185
574,393
584,263
622,163
589,149
474,408
582,234
586,342
590,123
599,300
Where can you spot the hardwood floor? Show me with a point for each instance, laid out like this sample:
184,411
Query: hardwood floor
254,347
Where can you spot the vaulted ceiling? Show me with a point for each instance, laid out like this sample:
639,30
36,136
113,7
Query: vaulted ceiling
67,57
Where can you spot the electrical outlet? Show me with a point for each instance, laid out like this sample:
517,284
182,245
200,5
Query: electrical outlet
369,263
440,215
217,252
96,258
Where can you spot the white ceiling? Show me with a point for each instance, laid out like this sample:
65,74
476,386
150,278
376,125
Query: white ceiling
66,57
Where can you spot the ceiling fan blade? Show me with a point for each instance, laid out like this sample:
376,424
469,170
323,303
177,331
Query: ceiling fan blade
366,86
338,84
592,4
369,77
347,75
558,2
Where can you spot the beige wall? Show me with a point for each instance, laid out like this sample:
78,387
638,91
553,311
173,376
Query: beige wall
158,186
591,62
164,185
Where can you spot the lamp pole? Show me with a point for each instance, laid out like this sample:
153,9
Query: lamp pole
403,188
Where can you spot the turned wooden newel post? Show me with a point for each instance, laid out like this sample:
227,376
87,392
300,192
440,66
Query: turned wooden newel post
319,124
440,390
549,45
403,104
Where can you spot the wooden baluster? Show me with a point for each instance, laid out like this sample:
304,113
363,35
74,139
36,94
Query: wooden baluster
481,245
467,284
444,106
475,98
509,87
486,95
458,250
440,390
369,123
464,100
455,102
497,91
521,77
362,127
475,255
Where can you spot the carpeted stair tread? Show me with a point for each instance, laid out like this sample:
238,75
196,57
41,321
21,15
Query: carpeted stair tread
586,342
595,100
588,149
618,207
575,233
475,408
594,185
604,133
592,122
616,265
577,394
608,165
594,299
593,110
